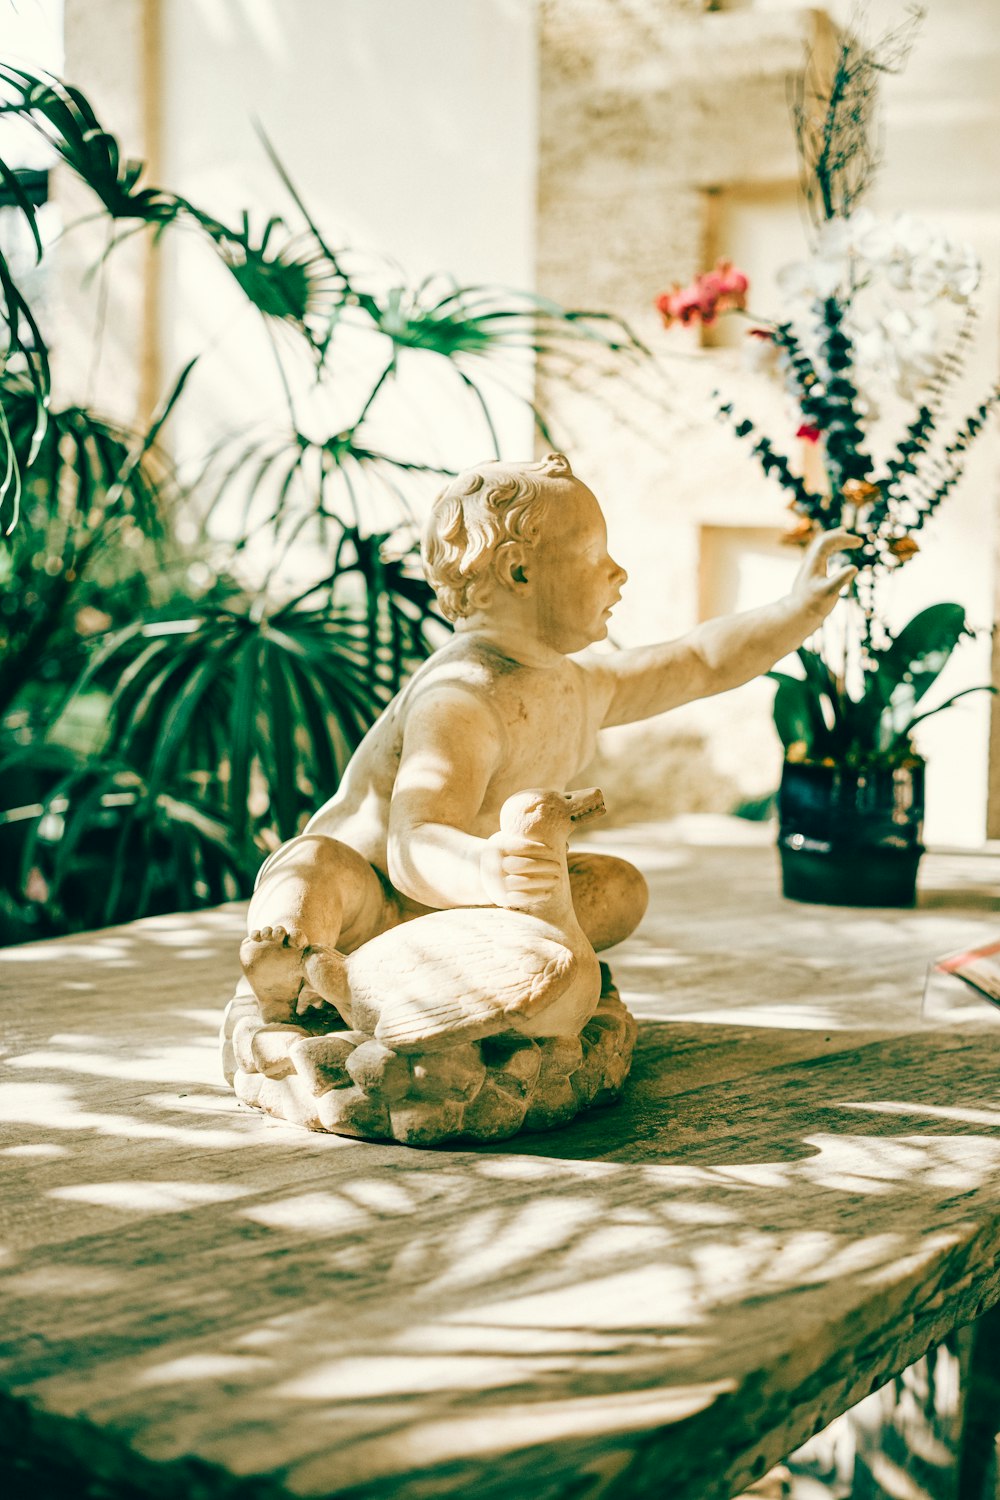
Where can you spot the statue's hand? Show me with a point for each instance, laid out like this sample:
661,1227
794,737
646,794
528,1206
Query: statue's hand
814,589
516,869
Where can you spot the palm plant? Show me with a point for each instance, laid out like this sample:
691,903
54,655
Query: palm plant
92,527
222,731
225,713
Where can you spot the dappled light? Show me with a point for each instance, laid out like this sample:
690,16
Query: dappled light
148,1197
568,1297
712,944
341,1308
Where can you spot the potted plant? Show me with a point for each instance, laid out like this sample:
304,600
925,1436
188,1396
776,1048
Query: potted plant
878,318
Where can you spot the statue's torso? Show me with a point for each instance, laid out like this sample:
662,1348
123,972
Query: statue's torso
548,720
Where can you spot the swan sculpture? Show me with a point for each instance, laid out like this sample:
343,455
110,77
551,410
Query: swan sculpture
473,971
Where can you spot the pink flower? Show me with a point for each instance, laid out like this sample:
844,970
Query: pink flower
723,289
664,305
809,433
733,284
696,301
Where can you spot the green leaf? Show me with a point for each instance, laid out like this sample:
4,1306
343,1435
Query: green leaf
281,770
134,458
242,720
794,712
11,181
902,737
909,667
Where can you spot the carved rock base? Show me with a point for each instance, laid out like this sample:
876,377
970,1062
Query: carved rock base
347,1083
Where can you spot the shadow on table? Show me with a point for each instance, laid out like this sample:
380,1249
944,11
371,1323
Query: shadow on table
952,898
337,1313
580,1298
729,1095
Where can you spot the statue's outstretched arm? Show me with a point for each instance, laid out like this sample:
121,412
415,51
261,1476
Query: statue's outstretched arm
724,653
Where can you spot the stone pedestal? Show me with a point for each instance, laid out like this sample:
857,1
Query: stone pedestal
346,1083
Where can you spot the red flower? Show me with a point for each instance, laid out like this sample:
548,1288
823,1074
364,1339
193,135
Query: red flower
721,290
697,301
809,433
733,284
664,306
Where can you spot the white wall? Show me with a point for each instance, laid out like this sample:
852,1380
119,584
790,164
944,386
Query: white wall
408,126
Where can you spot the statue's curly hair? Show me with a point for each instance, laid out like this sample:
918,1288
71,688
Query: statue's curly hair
484,510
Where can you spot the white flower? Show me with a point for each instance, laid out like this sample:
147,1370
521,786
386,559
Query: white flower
874,241
930,265
902,345
964,273
912,237
928,279
836,237
809,280
889,275
761,354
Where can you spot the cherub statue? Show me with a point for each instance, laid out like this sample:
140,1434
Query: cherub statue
517,554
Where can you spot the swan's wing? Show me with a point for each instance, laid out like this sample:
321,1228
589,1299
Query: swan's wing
470,989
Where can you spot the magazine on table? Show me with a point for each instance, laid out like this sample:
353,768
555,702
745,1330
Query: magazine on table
979,967
957,983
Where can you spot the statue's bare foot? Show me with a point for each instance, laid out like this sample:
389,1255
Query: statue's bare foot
325,984
272,961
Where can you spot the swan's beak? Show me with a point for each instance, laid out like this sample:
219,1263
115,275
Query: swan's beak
585,806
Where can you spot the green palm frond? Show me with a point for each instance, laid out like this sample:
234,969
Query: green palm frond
226,698
99,846
402,621
65,119
223,730
496,333
450,319
290,483
94,504
290,280
24,358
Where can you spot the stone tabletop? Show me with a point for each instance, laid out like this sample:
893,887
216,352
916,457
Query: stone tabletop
796,1199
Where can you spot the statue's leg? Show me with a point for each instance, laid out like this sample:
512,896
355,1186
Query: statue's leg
609,895
313,893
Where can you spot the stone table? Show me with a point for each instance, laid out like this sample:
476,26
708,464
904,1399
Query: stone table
796,1199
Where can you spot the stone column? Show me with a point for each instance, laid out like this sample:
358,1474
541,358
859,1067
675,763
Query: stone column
993,803
104,332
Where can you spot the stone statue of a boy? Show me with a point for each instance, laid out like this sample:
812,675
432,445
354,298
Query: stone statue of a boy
517,554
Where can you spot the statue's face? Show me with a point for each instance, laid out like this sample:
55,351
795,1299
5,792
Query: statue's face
574,581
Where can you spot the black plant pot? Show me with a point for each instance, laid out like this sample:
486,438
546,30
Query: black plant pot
850,838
